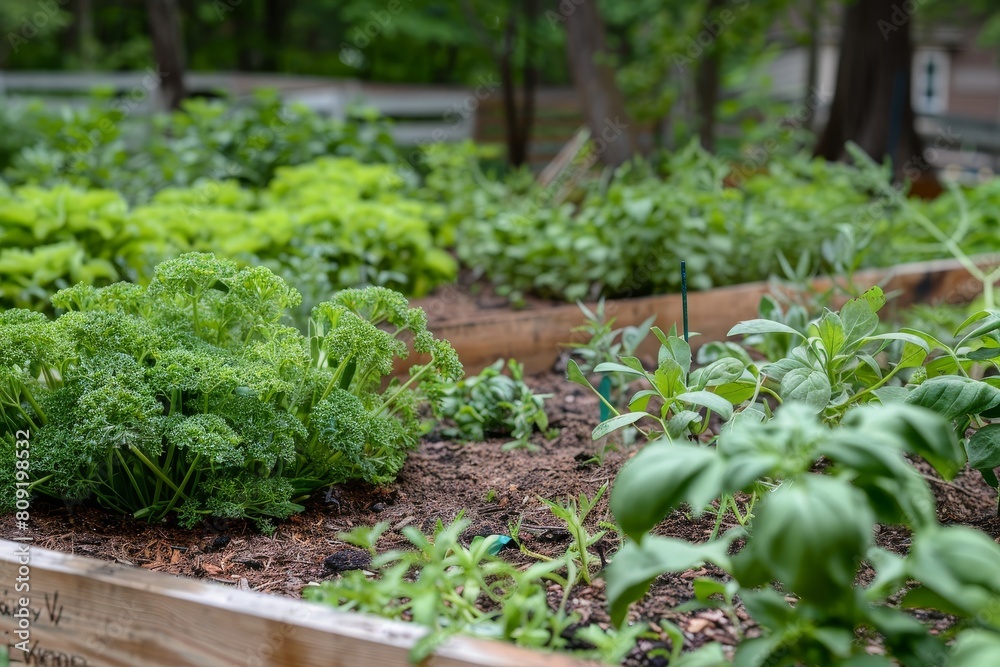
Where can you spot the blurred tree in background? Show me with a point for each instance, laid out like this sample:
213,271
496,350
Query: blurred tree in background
168,48
679,61
872,104
32,32
600,96
680,68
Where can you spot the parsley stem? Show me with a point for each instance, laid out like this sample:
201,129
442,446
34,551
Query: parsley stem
153,468
140,494
34,406
179,493
396,394
335,380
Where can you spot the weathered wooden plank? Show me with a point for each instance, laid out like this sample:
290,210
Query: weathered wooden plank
85,613
564,157
535,336
239,83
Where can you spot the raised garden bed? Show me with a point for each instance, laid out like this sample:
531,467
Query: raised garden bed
182,622
534,336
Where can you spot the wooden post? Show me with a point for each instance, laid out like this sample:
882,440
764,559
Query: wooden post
563,158
83,612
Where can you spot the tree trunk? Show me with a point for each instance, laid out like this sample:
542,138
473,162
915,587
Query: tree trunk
519,114
871,105
443,71
707,80
245,23
529,79
168,47
515,154
276,14
602,100
706,98
813,15
85,32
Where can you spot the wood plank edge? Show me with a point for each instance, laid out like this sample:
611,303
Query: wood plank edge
534,333
49,567
864,277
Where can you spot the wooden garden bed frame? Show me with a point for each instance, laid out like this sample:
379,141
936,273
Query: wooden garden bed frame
84,612
536,337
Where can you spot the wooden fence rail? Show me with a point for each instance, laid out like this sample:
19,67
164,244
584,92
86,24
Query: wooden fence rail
82,612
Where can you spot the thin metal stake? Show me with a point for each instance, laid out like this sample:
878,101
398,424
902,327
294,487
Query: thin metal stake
605,390
684,297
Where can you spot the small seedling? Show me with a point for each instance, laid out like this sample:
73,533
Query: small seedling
365,537
574,513
601,454
492,403
605,344
450,588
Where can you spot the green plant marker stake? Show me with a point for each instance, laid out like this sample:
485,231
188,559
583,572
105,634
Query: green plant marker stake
605,389
684,297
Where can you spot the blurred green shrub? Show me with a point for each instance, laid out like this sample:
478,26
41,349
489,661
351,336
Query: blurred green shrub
624,234
324,226
109,144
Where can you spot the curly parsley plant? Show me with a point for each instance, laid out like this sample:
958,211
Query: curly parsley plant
190,396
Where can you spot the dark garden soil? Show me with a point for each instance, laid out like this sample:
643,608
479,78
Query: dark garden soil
471,295
491,486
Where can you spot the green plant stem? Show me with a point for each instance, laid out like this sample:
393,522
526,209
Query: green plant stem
728,502
756,391
153,468
335,380
704,423
581,542
31,423
195,319
34,406
958,363
109,502
537,556
179,493
605,401
771,394
50,380
872,388
39,482
166,464
175,401
140,494
570,579
745,518
396,394
723,504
